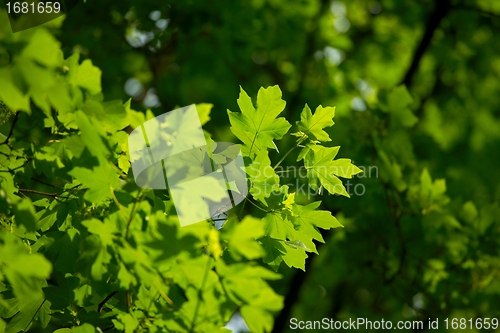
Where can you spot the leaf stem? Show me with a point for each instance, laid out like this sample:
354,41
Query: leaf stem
284,156
11,129
117,203
262,209
122,174
289,151
139,195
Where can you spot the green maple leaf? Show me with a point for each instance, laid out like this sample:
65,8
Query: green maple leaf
85,328
44,48
100,181
25,214
295,257
245,286
84,75
307,220
274,252
23,270
303,153
291,253
257,319
428,195
263,179
243,241
12,97
258,127
290,233
92,135
320,165
313,125
278,226
103,230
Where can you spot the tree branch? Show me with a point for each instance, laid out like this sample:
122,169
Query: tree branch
396,210
295,285
308,53
292,296
442,7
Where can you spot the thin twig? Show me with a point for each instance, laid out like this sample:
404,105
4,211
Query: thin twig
42,182
442,7
71,188
139,195
129,299
11,128
310,48
25,190
52,195
262,209
100,306
28,159
117,202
